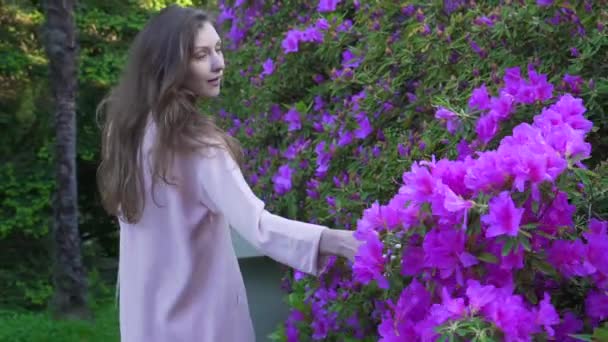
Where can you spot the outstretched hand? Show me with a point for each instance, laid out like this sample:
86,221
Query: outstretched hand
340,243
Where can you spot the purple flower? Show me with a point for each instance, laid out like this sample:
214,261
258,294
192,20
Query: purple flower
408,10
292,118
445,250
453,202
323,159
570,143
450,6
479,295
574,52
364,129
312,187
478,50
328,119
323,322
275,112
345,26
319,103
513,80
413,302
547,315
268,67
480,98
569,326
543,90
463,149
487,127
573,83
596,305
350,60
450,308
291,329
503,106
282,180
226,14
291,41
377,218
327,5
412,261
370,261
572,111
345,138
294,149
418,184
322,24
558,214
313,35
503,217
450,117
510,315
570,258
597,244
486,173
484,21
391,330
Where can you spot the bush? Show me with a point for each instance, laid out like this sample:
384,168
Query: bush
493,230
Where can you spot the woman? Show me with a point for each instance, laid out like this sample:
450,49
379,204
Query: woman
172,178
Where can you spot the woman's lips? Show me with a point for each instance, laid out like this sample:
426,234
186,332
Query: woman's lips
215,81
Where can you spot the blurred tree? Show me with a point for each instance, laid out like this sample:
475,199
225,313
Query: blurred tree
69,275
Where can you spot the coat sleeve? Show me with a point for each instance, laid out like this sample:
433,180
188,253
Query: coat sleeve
225,192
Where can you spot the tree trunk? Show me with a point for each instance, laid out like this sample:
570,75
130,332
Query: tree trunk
69,275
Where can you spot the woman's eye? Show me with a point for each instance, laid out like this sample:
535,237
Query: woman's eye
201,56
218,50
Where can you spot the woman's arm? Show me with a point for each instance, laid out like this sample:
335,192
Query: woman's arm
293,243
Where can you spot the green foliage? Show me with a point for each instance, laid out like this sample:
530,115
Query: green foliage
26,145
40,327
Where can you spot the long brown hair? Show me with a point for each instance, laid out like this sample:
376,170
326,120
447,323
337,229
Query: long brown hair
152,84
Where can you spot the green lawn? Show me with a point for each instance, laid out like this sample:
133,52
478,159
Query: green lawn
39,327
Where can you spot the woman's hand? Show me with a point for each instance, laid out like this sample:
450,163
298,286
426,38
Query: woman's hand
339,242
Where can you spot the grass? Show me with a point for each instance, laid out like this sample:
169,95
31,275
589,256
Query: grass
41,327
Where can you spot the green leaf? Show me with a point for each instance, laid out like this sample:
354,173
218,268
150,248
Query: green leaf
488,257
531,296
582,337
525,243
301,107
529,226
508,246
350,339
292,208
545,267
535,206
278,335
601,334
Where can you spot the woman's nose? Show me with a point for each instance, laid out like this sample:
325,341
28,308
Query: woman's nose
217,63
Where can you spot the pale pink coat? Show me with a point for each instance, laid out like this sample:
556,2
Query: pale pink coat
179,278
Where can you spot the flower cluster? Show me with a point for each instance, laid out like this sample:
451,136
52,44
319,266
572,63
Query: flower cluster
466,228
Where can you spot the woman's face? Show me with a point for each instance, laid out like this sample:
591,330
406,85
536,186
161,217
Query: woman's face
207,63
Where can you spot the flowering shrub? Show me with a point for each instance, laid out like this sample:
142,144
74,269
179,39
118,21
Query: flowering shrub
479,241
494,230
